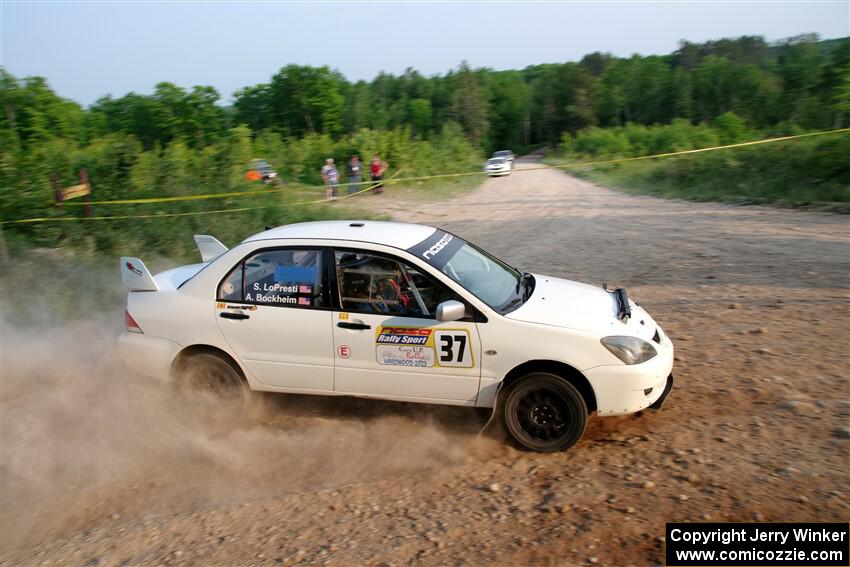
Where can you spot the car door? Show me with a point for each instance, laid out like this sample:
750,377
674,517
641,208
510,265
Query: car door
274,310
387,340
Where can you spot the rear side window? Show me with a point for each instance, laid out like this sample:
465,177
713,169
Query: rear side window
231,288
284,277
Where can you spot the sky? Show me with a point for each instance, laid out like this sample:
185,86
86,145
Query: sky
90,49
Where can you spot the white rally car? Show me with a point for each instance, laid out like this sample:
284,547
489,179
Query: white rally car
398,312
496,166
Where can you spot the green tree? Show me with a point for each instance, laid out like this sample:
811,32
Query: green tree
730,128
469,105
238,152
509,104
801,66
253,106
204,121
306,99
419,110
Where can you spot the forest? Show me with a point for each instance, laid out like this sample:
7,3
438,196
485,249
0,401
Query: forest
178,141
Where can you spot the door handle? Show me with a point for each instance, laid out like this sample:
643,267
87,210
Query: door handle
355,326
230,315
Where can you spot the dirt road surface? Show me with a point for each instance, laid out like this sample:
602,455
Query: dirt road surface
101,468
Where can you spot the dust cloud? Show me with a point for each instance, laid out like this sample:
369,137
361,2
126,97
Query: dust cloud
83,439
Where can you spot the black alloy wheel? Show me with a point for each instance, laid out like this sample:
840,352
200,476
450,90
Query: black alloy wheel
545,413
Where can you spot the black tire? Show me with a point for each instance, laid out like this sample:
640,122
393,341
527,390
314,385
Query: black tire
544,413
212,385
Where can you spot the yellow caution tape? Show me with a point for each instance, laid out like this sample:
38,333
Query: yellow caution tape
195,213
149,200
387,181
726,147
175,199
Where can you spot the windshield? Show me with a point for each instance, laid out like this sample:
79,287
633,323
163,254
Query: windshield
495,161
489,279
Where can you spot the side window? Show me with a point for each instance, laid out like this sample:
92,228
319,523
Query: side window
286,277
231,288
432,294
375,284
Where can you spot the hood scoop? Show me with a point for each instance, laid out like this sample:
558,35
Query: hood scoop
624,309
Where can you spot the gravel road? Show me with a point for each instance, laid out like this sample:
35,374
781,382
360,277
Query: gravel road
100,468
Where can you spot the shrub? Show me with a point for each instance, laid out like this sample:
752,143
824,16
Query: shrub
119,169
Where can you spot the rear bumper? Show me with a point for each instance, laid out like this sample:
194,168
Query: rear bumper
149,356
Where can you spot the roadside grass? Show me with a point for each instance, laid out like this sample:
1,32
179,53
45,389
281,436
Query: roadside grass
362,205
809,173
75,272
170,236
435,189
81,257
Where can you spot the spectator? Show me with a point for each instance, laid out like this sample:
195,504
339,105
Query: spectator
331,178
378,168
354,171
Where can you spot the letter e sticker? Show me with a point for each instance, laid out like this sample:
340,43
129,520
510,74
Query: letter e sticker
343,351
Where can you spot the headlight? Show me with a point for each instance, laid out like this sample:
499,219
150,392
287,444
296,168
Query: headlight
631,350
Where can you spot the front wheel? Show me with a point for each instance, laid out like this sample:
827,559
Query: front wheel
545,413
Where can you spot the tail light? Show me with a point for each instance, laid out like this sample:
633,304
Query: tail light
132,326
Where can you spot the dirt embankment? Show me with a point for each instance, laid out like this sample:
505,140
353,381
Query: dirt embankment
101,468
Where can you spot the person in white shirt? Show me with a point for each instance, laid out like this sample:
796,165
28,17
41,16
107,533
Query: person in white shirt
331,178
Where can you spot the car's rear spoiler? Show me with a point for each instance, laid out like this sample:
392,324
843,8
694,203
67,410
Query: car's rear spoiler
136,276
209,247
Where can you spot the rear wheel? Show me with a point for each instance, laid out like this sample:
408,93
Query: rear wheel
543,412
211,385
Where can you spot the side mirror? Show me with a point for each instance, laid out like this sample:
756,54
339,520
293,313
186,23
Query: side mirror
451,310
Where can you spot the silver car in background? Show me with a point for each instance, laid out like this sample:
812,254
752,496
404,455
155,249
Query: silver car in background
497,166
507,155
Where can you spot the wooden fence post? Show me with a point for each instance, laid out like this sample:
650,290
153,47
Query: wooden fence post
57,190
84,180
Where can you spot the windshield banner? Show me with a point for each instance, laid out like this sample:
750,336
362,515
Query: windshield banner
438,248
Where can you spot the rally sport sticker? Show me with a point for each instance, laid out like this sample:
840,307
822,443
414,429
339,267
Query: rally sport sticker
423,348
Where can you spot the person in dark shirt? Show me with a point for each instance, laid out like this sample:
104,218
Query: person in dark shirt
354,172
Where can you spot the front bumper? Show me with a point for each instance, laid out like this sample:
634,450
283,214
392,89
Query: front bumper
656,405
623,389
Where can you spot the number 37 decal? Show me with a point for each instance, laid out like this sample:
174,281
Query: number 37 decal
454,348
